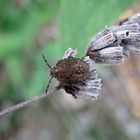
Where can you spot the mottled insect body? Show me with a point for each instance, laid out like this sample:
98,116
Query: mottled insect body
75,77
70,70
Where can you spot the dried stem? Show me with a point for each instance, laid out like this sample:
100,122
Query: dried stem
24,103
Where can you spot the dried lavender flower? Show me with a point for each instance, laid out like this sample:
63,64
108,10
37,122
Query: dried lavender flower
91,87
109,55
112,44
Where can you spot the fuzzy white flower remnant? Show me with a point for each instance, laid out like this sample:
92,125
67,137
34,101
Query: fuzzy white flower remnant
70,53
91,87
113,55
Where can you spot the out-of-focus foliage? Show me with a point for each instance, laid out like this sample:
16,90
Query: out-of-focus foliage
80,20
29,28
20,23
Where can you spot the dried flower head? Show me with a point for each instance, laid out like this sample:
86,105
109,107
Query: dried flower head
133,42
75,76
112,44
105,49
110,55
90,87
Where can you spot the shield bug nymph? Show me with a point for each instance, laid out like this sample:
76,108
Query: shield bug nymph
74,76
70,70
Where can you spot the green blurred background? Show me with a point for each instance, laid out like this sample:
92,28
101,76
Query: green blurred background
29,28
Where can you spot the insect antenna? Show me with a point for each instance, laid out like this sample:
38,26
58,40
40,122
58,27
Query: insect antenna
46,61
48,85
51,77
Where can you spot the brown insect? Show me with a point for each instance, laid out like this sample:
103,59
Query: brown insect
68,72
72,73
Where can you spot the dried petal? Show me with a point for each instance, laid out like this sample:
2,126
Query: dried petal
104,41
120,35
135,47
70,53
110,55
91,87
87,60
93,74
132,28
101,39
131,45
123,32
135,36
93,94
111,52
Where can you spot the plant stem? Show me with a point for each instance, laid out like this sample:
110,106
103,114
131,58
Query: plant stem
24,103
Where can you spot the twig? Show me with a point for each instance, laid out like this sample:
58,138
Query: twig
24,103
